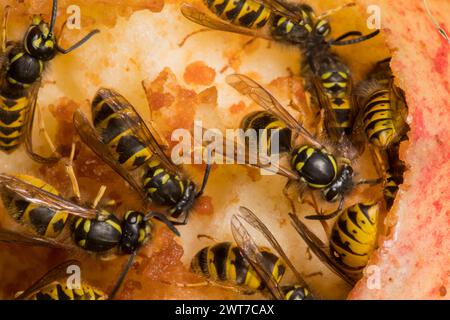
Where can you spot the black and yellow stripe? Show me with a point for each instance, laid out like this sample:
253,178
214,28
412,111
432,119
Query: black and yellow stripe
45,221
13,114
60,291
353,237
128,149
378,119
336,85
265,123
297,292
244,13
223,262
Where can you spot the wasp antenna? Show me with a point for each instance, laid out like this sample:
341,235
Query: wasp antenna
123,275
366,37
53,19
78,44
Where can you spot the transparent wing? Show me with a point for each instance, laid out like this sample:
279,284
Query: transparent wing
255,222
41,197
128,114
253,255
25,239
28,134
57,273
319,248
241,156
210,22
262,97
90,137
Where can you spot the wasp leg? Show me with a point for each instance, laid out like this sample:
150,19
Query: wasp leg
335,10
288,197
186,38
313,203
205,236
370,181
100,194
237,54
314,274
205,175
43,130
328,216
208,283
5,27
71,173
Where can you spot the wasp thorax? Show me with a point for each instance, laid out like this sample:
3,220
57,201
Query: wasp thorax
316,167
39,42
135,231
322,28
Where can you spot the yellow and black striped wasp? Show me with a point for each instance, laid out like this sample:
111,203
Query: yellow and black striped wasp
313,166
122,139
22,67
38,205
249,267
54,285
352,239
326,75
381,121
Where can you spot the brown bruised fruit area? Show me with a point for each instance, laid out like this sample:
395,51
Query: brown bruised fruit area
140,41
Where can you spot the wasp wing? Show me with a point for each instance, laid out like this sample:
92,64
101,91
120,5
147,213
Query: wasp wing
29,121
262,97
198,17
240,156
253,255
128,114
91,138
319,248
255,222
41,197
56,273
25,239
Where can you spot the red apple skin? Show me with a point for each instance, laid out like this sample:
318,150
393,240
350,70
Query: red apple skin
414,261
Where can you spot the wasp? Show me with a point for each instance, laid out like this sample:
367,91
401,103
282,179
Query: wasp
54,286
38,204
328,77
313,166
381,121
351,241
248,266
121,138
22,65
394,175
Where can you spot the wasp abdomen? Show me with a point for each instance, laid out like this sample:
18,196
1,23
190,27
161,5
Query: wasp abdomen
224,262
296,292
263,121
127,148
378,119
354,235
60,291
244,13
43,220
